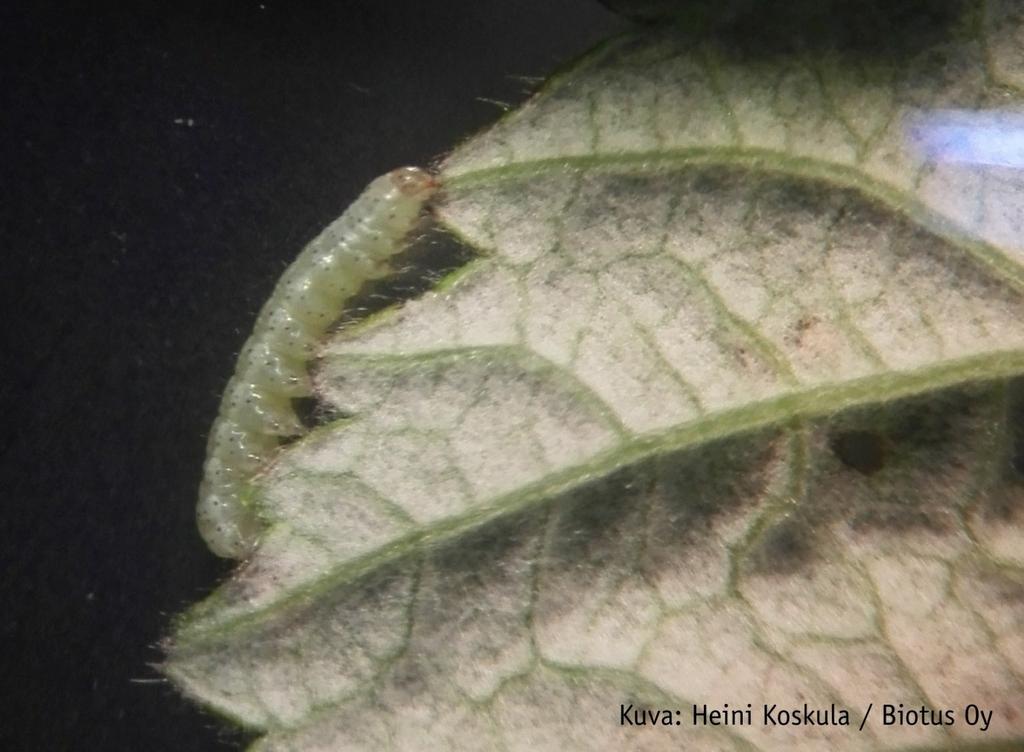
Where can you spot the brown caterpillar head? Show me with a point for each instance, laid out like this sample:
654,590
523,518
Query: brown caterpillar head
413,182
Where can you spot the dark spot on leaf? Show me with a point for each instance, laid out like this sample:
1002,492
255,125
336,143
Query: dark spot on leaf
598,515
695,486
305,411
863,451
411,673
783,547
801,326
805,322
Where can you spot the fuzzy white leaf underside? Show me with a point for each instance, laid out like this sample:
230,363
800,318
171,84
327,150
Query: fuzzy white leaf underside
724,411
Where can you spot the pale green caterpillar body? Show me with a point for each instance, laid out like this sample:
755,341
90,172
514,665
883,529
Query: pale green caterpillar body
256,412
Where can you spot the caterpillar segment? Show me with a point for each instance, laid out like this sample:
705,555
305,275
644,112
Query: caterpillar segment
256,411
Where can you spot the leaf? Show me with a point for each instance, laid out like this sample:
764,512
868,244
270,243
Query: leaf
727,409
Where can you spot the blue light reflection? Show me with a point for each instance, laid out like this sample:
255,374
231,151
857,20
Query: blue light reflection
964,136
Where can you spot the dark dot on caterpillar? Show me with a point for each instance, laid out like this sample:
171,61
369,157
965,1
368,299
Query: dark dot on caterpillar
863,451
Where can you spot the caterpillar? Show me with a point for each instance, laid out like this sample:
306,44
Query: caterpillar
256,412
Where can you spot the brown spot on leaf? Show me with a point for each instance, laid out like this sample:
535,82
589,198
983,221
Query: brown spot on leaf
863,451
783,547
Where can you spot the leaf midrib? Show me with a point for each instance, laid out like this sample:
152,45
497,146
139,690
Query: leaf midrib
795,404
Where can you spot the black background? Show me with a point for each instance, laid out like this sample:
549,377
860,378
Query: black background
137,249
